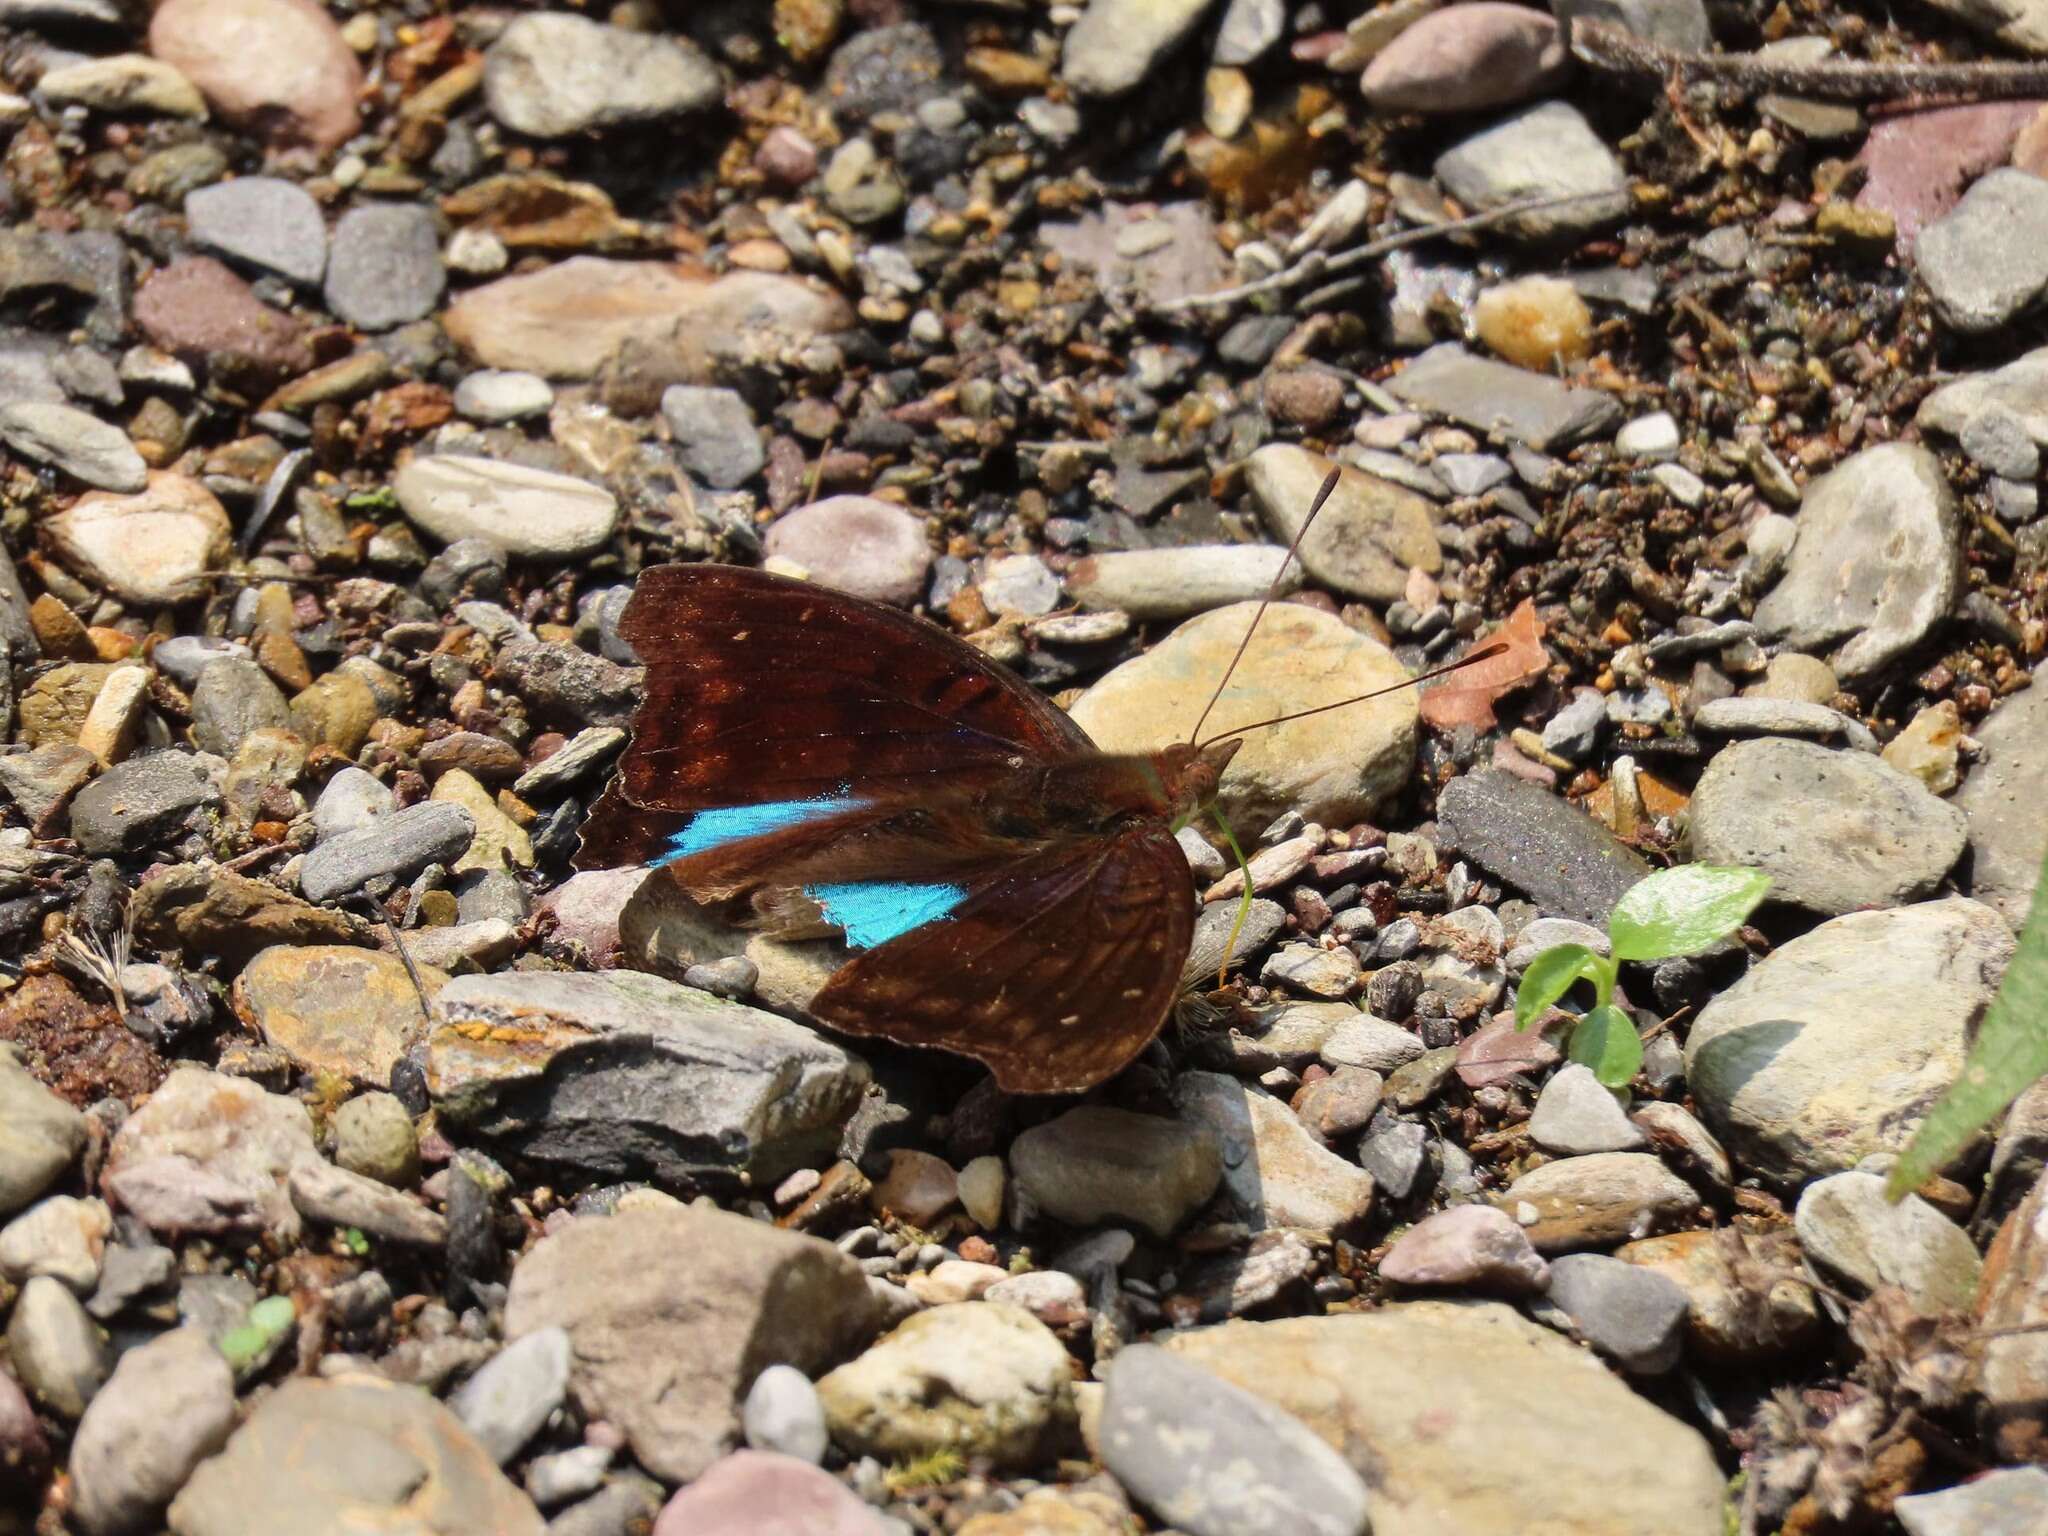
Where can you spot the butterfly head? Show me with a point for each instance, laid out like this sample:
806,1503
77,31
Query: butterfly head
1192,773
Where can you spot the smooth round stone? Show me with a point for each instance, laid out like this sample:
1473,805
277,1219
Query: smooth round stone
57,1350
233,700
1545,151
1468,58
1211,1459
1878,563
198,309
1597,1200
973,1377
277,68
1532,322
871,548
714,432
918,1188
782,1413
763,1491
532,514
1334,768
1796,678
497,394
1369,535
127,82
1176,582
553,75
40,1134
1835,831
1116,42
411,1465
1833,1046
1634,1316
515,1392
168,1406
1846,1225
75,441
61,1237
1433,1400
1575,1114
1986,260
1472,1246
385,266
374,1137
982,1185
1095,1164
265,221
1020,586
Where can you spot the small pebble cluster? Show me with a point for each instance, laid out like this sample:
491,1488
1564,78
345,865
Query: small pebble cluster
364,1167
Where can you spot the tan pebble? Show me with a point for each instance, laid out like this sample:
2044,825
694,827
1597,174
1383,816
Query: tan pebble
1534,322
981,1191
109,729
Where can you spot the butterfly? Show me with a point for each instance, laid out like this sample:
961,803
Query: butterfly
1010,892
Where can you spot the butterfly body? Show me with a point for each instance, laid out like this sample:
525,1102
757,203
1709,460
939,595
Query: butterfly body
1012,893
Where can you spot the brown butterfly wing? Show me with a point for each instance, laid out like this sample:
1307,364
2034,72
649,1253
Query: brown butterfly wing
761,688
1054,974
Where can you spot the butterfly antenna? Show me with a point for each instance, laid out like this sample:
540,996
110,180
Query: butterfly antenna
1329,488
1484,653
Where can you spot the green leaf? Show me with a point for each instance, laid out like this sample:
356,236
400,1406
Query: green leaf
1549,976
2011,1051
1683,910
1606,1040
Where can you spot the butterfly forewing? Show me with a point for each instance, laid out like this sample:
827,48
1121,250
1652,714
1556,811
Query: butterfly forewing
761,688
1053,971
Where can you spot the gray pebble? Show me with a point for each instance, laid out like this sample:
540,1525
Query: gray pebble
1575,1115
506,1402
396,847
40,1135
143,802
714,434
385,266
264,221
233,698
56,1348
374,1137
1631,1314
493,395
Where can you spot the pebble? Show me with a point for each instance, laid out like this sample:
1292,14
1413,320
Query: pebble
1431,1400
229,48
56,1349
1175,582
782,1414
495,395
1597,1200
411,1465
982,1184
856,544
209,1153
1835,831
1116,43
395,847
1341,1104
1533,322
917,1189
1370,534
1364,1041
1211,1459
1565,861
559,1477
2021,387
263,221
1275,1170
144,802
643,1077
1575,1114
1095,1164
1547,150
1473,1247
75,441
384,267
763,1491
1248,30
153,548
1985,262
374,1137
1511,404
1846,1225
2006,1501
1055,1299
198,310
1832,1047
714,434
1632,1315
1727,1323
1334,768
40,1135
1770,715
352,800
1020,586
233,699
1654,436
672,1312
532,514
515,1392
498,842
2002,798
169,1405
554,75
1877,565
974,1377
61,1237
1468,58
124,83
322,1192
1997,439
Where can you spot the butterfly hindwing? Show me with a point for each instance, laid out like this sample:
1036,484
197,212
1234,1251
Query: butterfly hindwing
1054,971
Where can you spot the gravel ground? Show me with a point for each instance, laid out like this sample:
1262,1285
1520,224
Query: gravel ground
355,360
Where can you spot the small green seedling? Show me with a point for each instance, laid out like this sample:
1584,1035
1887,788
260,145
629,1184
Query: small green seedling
1677,911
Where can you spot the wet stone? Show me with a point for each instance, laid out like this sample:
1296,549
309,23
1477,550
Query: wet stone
263,221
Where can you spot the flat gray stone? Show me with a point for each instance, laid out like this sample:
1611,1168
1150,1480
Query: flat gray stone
1680,24
1116,42
1835,1046
2003,798
1576,1114
1514,405
2020,387
232,699
1985,262
1274,1168
385,266
1633,1315
1176,582
265,221
507,1401
325,1193
1095,1164
1565,861
1834,830
394,847
1765,716
1878,563
75,441
1548,150
143,802
1211,1459
2008,1501
714,434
